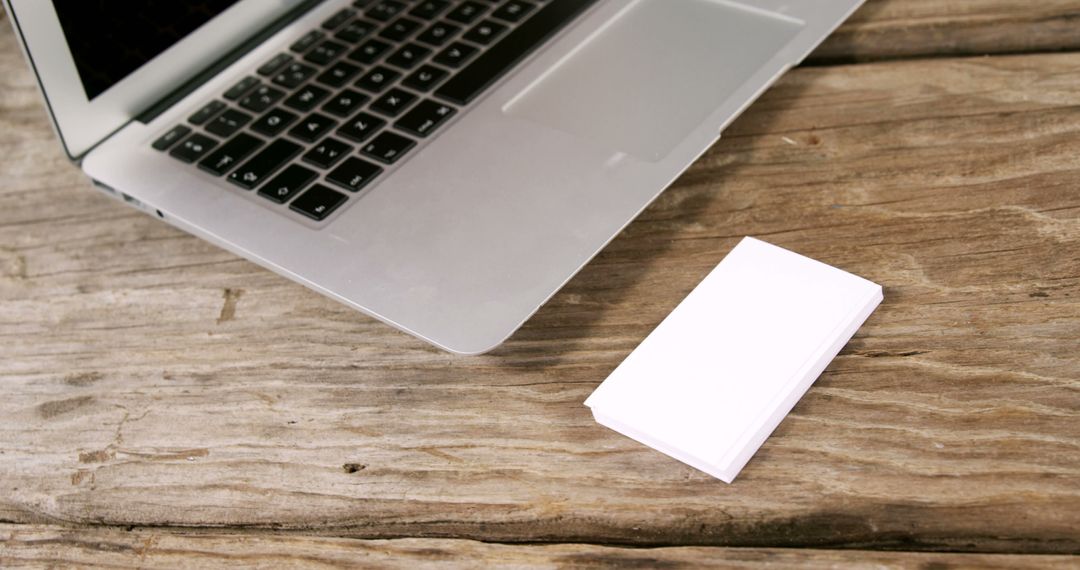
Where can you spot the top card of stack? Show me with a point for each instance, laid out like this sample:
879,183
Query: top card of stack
717,376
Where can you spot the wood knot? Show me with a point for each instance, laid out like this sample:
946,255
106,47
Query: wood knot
228,308
49,410
353,467
99,456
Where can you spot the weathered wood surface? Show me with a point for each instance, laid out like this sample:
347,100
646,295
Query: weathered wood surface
891,29
152,379
32,545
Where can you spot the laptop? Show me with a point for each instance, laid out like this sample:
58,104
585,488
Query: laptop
444,166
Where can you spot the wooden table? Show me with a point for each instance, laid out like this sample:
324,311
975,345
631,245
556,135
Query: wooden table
168,404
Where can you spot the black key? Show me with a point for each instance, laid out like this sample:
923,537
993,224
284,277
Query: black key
354,174
385,10
455,55
514,10
326,153
318,202
401,29
467,12
209,110
325,52
306,98
362,3
343,104
388,147
356,31
227,123
485,32
360,127
394,102
261,98
168,139
424,118
243,86
293,75
377,79
285,185
408,56
338,74
193,148
230,154
307,41
263,164
438,34
370,51
425,78
274,65
337,20
311,127
428,9
273,122
493,63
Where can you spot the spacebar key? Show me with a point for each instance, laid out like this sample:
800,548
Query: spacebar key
497,60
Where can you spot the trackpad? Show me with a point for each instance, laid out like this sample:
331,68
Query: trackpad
654,73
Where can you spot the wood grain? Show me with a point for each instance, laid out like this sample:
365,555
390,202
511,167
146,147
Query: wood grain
33,545
890,29
150,378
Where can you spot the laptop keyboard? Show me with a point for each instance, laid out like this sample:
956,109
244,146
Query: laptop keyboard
313,126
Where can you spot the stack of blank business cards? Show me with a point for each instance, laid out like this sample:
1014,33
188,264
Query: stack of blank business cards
717,376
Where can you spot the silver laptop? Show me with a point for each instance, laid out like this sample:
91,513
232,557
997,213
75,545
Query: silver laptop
444,166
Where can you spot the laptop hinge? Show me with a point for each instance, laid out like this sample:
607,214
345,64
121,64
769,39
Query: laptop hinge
179,93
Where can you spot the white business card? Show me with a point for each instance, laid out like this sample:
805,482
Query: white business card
717,376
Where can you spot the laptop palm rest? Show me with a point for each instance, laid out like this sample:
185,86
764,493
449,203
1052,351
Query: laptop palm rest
649,77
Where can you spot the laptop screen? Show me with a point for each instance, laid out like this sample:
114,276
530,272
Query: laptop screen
109,40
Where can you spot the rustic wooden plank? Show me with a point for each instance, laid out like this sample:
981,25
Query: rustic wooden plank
152,379
43,545
889,29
